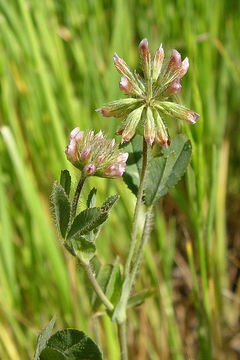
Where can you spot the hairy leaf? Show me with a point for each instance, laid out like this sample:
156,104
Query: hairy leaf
108,204
65,181
70,344
84,222
105,209
61,208
43,338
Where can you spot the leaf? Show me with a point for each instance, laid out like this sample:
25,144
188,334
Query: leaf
165,171
43,337
91,218
102,278
139,298
70,344
61,208
83,248
52,354
105,209
65,181
108,204
131,176
113,289
84,222
158,170
91,200
183,149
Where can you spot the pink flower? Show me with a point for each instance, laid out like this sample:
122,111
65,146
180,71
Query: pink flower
95,155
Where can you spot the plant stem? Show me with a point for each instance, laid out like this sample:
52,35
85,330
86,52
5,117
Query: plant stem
76,195
122,336
137,211
144,238
95,285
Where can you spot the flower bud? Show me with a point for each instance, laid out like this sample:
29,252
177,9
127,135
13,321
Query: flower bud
79,136
115,170
178,111
100,158
122,157
146,58
71,150
85,152
161,132
74,132
125,85
175,62
157,63
89,169
184,67
121,66
118,108
112,142
131,124
174,87
149,127
99,135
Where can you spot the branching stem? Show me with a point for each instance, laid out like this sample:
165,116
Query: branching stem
95,285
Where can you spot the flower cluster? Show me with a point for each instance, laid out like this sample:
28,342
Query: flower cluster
147,104
95,155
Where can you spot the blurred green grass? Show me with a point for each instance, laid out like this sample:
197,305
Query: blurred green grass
55,69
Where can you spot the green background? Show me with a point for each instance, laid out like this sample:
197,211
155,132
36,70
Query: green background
55,69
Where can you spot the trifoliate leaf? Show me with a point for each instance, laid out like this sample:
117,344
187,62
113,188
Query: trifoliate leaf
43,338
70,344
61,208
65,181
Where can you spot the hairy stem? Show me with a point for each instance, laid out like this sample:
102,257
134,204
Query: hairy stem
76,195
139,252
122,336
95,285
137,210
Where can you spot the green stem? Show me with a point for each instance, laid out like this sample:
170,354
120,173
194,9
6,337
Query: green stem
144,238
137,211
95,285
122,336
76,195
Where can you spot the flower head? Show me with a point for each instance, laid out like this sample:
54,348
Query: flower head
147,105
94,154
